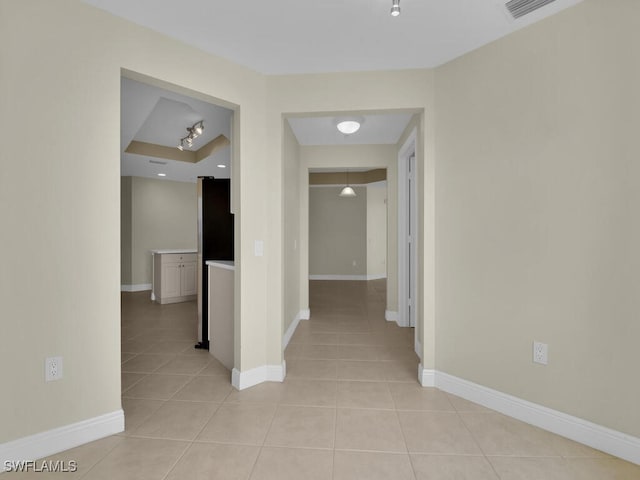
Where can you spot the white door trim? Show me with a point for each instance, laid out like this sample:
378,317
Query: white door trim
407,150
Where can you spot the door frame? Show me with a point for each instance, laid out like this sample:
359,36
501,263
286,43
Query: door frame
407,216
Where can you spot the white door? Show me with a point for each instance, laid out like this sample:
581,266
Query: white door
412,229
407,233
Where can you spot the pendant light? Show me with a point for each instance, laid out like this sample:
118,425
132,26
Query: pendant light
347,191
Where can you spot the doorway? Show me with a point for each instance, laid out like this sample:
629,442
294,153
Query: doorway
170,137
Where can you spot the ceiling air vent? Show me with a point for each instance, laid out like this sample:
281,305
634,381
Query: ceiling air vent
520,8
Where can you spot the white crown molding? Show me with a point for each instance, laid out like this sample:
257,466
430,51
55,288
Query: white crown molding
143,287
59,439
264,373
583,431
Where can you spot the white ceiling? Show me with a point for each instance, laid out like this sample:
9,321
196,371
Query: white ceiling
297,36
376,129
311,36
154,115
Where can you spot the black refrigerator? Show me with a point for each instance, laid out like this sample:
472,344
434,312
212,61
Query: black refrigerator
215,240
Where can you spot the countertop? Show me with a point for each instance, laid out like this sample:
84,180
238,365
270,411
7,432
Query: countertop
225,264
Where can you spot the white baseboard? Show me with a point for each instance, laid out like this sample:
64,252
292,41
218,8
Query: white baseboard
377,277
143,287
337,277
596,436
391,316
302,315
265,373
347,277
426,377
60,439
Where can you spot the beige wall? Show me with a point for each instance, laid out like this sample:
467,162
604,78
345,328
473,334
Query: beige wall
65,78
164,215
537,213
377,230
536,227
337,232
291,245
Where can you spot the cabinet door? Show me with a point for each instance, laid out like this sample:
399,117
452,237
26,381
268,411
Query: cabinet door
189,277
171,273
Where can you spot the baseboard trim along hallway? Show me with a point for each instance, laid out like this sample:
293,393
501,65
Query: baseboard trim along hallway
143,287
302,315
63,438
347,277
265,373
593,435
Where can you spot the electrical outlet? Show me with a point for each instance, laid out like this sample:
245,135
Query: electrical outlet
540,353
53,369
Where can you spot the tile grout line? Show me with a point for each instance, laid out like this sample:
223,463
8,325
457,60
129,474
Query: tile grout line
264,439
335,432
101,459
404,438
477,443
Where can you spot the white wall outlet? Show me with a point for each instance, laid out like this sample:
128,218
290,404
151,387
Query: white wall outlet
53,369
258,248
540,353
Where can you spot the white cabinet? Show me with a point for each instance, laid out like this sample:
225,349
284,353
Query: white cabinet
175,277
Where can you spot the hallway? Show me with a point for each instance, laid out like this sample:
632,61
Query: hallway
349,409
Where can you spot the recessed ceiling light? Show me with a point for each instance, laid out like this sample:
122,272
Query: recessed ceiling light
222,166
162,174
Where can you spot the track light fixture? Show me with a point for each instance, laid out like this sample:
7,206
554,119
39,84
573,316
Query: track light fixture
395,8
194,132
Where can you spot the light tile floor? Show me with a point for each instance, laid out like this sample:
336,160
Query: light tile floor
349,409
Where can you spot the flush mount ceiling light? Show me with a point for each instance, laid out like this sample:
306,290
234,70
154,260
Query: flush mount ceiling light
194,132
221,166
347,191
350,125
395,8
